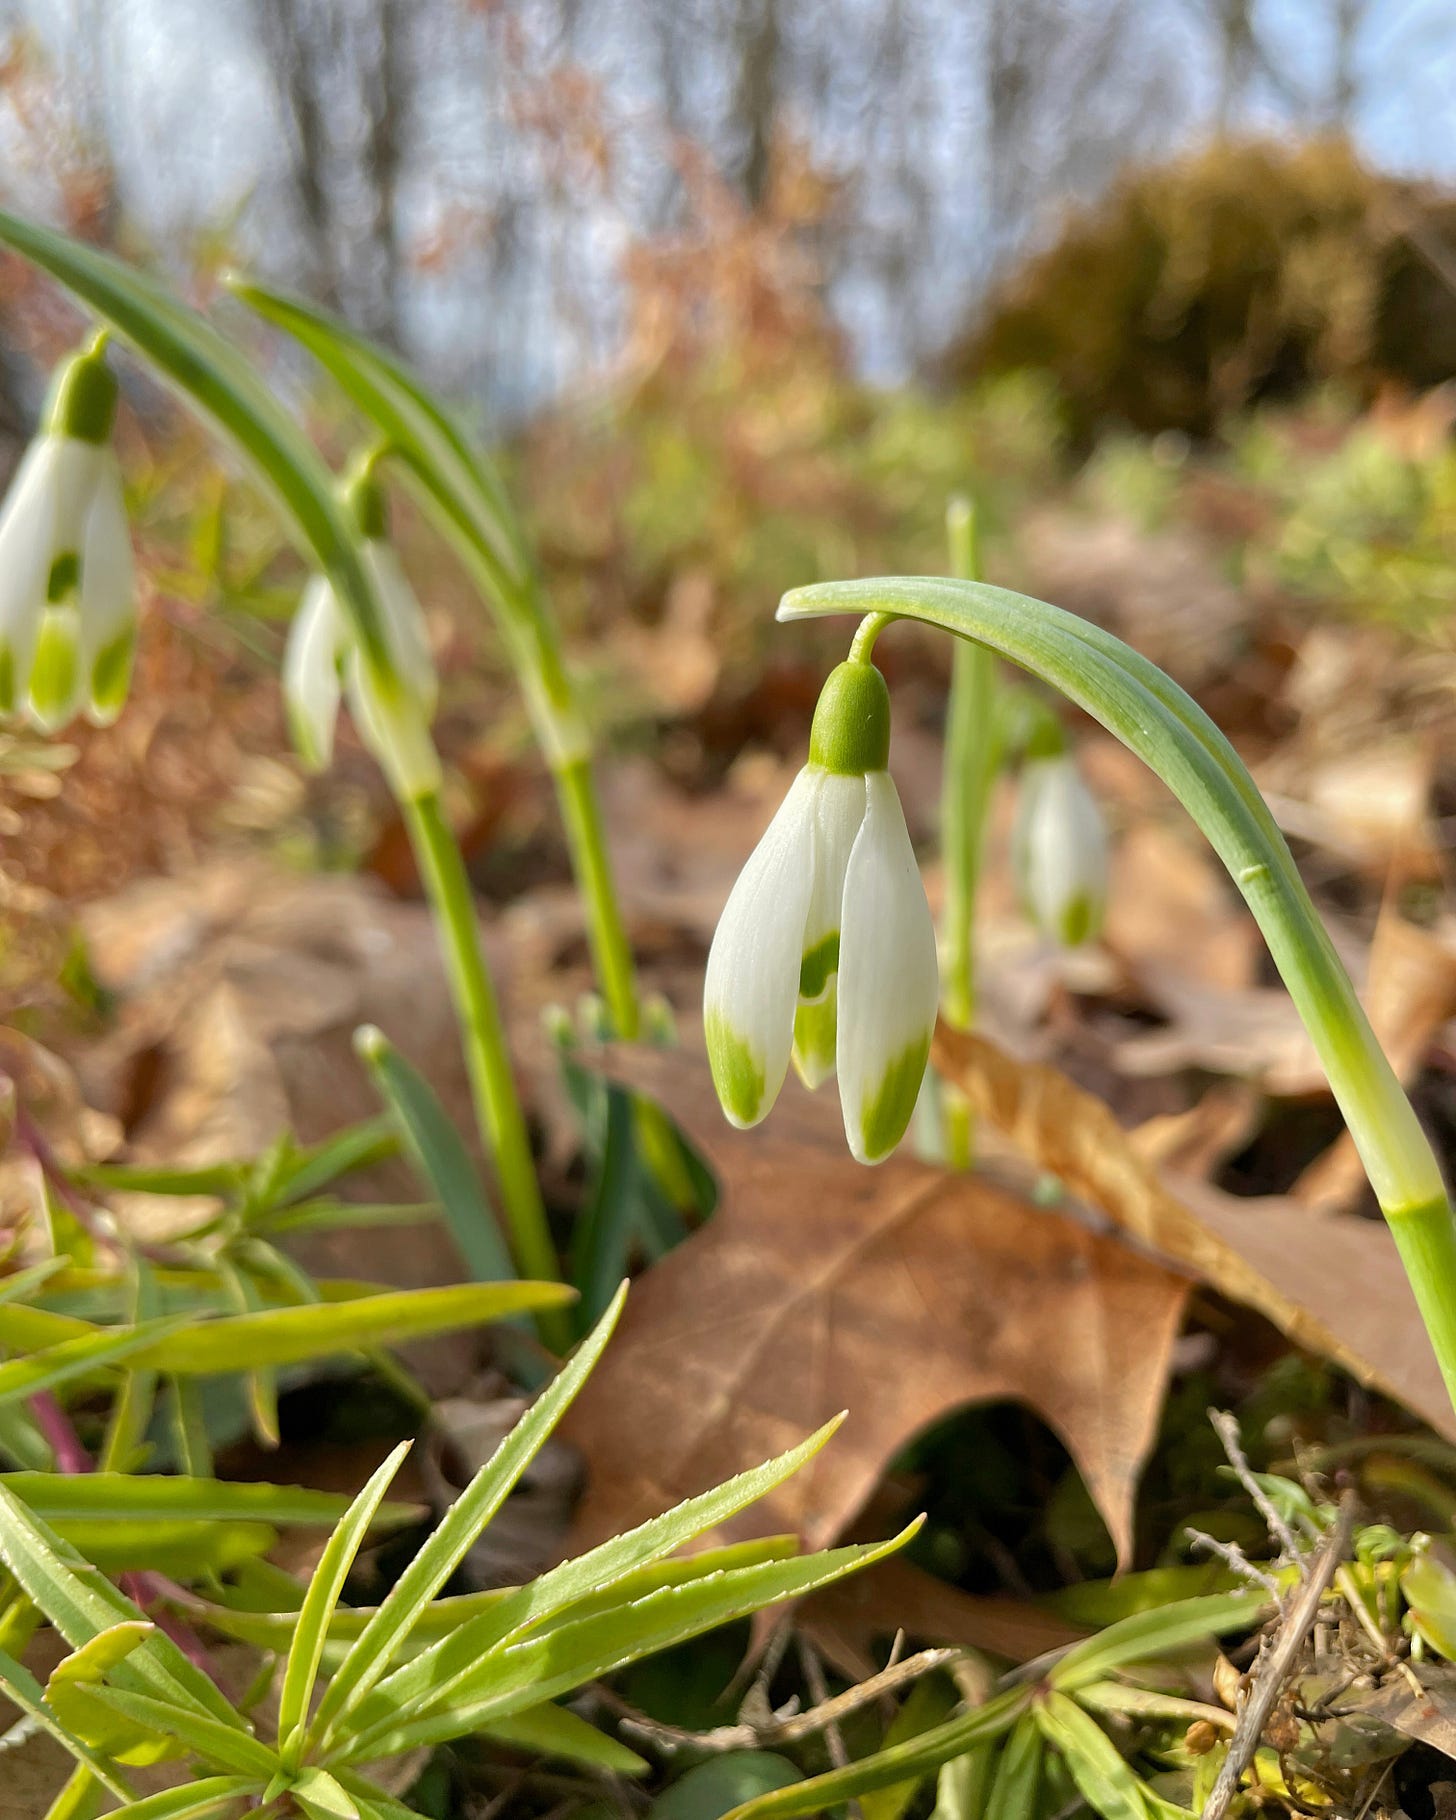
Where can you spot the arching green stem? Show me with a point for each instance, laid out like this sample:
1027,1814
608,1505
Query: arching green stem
1162,724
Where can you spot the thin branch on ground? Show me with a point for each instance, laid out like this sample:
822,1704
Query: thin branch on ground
1239,1562
1277,1656
775,1730
1226,1427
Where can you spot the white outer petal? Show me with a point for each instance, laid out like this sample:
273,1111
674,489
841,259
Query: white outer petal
1061,842
889,980
48,491
405,632
316,641
752,983
839,811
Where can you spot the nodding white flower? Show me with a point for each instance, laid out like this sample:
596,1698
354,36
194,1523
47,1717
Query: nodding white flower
1060,851
67,585
826,949
392,706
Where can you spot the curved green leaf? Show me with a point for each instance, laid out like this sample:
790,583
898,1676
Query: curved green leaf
94,1349
60,1497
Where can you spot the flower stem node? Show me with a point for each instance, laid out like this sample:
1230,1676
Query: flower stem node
1060,851
67,583
392,704
826,950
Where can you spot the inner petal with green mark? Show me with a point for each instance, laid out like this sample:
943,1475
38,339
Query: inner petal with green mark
56,669
815,1031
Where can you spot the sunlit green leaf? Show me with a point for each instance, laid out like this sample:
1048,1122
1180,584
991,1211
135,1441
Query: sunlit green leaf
324,1589
556,1731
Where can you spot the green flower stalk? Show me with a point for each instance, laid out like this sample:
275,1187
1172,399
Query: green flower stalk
825,949
67,588
1158,721
970,764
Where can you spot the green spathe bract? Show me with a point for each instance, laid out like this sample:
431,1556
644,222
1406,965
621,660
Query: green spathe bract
1161,723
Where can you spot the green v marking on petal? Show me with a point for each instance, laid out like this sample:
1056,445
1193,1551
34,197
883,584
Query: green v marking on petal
737,1074
886,1113
819,965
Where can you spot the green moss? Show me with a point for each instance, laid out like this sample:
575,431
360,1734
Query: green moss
887,1112
737,1074
851,730
111,674
819,966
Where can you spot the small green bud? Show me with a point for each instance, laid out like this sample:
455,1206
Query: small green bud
82,401
851,731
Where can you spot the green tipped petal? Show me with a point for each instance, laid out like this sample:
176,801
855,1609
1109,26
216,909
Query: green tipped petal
55,675
111,678
885,1114
737,1074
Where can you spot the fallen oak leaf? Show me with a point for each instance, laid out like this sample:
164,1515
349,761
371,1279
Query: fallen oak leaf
901,1292
1333,1283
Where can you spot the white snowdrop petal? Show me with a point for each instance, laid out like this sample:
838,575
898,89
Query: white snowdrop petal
396,731
404,625
311,687
27,546
753,966
839,809
889,982
1061,851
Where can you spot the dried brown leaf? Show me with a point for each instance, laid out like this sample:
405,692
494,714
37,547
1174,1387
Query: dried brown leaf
900,1293
1332,1283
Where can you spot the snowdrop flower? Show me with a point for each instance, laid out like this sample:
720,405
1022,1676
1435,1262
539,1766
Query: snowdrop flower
391,708
67,586
1060,851
826,948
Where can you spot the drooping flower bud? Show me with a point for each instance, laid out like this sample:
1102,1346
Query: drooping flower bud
1059,849
826,948
392,704
67,583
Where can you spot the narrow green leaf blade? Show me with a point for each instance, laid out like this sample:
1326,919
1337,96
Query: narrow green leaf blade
370,1657
565,1657
28,1694
81,1603
226,1747
439,1155
59,1497
1108,1783
194,1800
288,1336
918,1757
556,1731
92,1351
432,1676
1153,1633
324,1589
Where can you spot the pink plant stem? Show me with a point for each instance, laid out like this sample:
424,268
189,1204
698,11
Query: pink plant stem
55,1425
